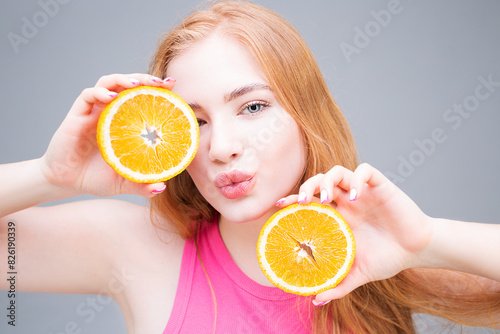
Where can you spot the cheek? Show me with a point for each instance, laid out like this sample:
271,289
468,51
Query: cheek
197,166
293,139
195,170
296,152
287,153
198,174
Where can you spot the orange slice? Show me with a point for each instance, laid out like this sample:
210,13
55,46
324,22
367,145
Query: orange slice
148,134
306,249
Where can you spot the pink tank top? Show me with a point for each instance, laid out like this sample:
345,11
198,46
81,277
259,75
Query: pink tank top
243,306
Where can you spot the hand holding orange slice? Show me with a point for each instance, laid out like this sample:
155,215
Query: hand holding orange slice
148,134
306,249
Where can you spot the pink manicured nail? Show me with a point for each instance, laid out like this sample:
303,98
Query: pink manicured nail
155,79
324,196
169,79
113,94
302,197
157,191
279,202
315,303
135,82
353,194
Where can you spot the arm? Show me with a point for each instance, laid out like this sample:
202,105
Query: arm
392,233
69,248
72,164
23,185
469,247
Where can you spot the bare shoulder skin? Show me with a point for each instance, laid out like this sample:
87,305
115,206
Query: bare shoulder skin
103,246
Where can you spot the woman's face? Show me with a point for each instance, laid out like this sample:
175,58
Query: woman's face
251,151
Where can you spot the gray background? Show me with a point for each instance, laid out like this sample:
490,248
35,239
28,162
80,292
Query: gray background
395,92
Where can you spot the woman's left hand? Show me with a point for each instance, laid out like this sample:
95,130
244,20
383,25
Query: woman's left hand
389,228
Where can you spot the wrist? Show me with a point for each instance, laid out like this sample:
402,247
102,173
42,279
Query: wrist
431,256
50,180
24,185
462,246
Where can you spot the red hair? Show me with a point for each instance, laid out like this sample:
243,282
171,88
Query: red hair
378,307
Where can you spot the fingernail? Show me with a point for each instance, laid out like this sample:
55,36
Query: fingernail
112,94
324,196
302,197
169,79
353,194
135,82
157,191
155,79
315,303
279,202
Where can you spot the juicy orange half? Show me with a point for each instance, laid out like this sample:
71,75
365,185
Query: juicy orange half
148,134
306,249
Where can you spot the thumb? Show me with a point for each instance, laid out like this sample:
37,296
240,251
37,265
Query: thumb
353,280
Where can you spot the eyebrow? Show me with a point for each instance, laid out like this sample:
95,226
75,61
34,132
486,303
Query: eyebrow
240,91
245,90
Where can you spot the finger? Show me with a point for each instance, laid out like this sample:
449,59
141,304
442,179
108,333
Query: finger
364,174
151,80
89,97
309,188
293,199
331,187
120,82
326,184
286,201
142,189
334,184
169,83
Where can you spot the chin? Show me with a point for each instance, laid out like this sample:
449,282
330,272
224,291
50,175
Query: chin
238,215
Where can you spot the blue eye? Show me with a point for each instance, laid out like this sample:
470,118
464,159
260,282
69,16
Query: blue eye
254,107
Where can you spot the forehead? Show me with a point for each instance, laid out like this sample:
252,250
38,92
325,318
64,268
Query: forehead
214,65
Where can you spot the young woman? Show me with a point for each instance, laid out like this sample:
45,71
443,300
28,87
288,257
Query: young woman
188,263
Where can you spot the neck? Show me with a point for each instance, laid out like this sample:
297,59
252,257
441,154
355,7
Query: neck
240,240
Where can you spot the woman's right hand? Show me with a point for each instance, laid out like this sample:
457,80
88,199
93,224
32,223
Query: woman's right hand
73,162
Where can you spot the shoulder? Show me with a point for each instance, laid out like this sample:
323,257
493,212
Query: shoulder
129,227
117,228
139,248
77,247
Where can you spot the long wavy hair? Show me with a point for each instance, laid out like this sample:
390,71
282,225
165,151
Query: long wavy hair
292,72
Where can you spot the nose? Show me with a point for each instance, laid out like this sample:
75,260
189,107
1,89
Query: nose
225,142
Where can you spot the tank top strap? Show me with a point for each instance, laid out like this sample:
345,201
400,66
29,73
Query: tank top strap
183,288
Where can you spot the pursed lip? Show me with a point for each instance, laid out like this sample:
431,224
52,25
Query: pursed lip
234,184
